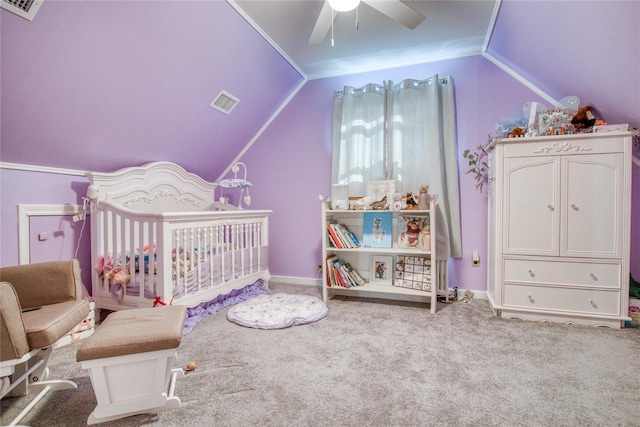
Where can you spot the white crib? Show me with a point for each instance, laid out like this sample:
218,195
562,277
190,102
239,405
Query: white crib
159,237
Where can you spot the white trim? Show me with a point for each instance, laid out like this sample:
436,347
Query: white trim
27,211
264,35
492,25
521,79
28,15
290,280
262,129
43,169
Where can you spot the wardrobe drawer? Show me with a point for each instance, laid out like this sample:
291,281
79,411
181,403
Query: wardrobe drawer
562,299
599,275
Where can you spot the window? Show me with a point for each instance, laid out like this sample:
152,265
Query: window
403,132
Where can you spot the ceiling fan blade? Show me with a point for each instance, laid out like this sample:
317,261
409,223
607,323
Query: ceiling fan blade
323,24
398,11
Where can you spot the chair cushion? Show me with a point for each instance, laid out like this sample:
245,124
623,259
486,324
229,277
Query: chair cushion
44,283
13,340
135,331
49,323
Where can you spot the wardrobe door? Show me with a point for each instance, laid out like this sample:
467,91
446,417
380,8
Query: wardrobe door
592,217
531,205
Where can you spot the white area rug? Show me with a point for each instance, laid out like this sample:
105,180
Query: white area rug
277,311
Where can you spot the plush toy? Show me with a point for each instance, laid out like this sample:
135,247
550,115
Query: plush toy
118,276
398,202
517,132
411,202
584,119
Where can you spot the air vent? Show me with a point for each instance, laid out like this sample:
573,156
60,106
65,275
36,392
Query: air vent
24,8
224,102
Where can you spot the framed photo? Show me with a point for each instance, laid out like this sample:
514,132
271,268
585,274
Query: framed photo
376,229
381,271
381,190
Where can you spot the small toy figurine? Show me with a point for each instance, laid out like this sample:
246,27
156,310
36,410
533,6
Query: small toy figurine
379,205
411,202
423,198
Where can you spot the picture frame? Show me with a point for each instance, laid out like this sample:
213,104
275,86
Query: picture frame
381,270
408,237
413,272
377,227
378,190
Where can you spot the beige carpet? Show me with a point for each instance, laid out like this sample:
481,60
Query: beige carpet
372,363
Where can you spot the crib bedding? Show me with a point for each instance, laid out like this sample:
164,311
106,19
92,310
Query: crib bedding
202,269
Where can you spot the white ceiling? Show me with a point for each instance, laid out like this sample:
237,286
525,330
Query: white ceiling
451,29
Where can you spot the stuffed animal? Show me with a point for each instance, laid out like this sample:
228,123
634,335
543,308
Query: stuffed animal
411,202
118,276
398,202
584,119
517,132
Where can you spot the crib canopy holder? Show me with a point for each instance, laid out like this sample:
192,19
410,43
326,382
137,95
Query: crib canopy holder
235,182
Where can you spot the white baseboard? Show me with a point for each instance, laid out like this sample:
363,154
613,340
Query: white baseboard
289,280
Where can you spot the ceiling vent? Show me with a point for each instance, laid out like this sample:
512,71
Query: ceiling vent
224,102
24,8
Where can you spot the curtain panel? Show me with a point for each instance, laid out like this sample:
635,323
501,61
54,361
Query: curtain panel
404,132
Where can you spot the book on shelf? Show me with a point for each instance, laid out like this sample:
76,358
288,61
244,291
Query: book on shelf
340,236
341,274
333,237
376,229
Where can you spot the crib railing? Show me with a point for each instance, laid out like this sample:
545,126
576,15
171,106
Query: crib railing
174,257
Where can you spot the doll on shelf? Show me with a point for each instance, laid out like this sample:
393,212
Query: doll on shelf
411,236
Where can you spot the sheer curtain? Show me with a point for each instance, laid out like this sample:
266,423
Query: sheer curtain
418,148
422,137
358,137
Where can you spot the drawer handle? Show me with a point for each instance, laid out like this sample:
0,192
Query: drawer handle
531,273
531,300
551,208
593,277
593,304
574,207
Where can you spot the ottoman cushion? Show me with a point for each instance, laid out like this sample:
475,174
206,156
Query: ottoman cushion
135,331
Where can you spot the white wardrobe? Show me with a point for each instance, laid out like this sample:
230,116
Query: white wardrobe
559,228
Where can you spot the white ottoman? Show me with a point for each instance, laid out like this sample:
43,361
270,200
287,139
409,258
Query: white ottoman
130,359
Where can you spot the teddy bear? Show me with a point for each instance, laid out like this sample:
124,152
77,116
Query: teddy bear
517,132
584,118
118,276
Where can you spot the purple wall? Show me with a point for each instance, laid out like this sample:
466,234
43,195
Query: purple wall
590,49
301,138
102,85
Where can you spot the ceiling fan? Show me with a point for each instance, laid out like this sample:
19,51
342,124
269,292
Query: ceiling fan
394,9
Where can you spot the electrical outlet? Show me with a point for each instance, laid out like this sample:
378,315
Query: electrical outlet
475,259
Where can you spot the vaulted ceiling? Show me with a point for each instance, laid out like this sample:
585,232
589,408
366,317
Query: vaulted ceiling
450,29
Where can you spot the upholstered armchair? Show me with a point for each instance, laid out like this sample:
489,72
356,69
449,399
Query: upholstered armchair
39,304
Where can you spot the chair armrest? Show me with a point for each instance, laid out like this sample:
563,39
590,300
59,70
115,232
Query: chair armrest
45,283
13,344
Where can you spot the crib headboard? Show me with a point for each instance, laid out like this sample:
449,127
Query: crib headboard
153,187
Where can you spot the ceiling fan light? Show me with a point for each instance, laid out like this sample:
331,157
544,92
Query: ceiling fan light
343,5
